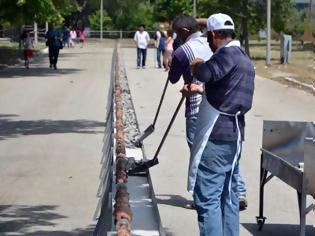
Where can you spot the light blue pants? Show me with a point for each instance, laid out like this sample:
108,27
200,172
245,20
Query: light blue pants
217,208
159,52
190,132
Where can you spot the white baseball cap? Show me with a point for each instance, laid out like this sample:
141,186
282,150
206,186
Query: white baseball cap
219,21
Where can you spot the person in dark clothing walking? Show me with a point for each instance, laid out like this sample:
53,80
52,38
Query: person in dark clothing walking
54,44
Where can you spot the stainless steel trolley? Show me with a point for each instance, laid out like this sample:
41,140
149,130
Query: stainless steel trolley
288,152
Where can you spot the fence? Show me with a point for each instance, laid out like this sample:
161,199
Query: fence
13,34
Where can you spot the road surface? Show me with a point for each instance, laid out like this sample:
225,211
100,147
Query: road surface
51,131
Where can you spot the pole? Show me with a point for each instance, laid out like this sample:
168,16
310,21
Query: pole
101,20
195,9
268,32
35,33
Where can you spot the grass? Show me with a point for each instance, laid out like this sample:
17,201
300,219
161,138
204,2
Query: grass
10,53
301,64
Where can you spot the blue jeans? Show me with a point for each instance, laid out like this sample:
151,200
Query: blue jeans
190,129
190,133
218,210
143,53
241,187
158,56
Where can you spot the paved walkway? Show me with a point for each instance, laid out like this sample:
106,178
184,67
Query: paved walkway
51,131
273,101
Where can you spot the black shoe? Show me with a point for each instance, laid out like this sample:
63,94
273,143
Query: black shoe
50,66
55,67
243,203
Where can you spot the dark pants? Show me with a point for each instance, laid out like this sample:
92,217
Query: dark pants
53,55
142,52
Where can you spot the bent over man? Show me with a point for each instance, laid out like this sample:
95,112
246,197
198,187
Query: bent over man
229,87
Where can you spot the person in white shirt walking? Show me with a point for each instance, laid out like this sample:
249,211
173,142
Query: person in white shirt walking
142,39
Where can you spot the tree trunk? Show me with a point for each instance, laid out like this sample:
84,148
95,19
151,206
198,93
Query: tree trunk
244,35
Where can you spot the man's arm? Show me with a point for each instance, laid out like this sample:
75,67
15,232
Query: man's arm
148,38
135,38
179,66
214,69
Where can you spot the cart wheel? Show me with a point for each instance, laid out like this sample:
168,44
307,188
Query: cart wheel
260,222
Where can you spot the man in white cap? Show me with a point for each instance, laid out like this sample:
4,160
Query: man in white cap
227,95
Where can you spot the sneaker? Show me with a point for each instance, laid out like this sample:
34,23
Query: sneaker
190,206
143,67
243,203
138,67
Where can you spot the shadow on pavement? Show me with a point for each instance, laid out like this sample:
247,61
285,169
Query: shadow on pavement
172,200
15,128
20,219
34,71
277,229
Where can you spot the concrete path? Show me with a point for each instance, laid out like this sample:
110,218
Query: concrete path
51,130
273,101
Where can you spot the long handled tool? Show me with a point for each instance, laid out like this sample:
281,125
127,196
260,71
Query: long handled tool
138,167
138,140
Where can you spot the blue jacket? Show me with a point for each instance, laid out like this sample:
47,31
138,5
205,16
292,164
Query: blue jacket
229,85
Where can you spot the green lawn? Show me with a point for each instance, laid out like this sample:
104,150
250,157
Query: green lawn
301,64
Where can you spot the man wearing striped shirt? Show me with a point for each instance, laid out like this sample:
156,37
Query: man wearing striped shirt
192,46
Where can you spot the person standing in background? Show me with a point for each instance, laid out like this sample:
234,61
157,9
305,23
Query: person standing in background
66,37
54,44
82,37
73,37
167,57
141,39
28,52
160,44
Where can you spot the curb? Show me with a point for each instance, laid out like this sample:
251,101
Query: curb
303,85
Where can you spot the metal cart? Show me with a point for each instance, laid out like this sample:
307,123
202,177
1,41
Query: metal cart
288,152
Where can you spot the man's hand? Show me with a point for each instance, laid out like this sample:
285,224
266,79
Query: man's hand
194,64
190,89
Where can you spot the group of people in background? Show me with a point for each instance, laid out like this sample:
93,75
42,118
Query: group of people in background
55,41
163,41
70,37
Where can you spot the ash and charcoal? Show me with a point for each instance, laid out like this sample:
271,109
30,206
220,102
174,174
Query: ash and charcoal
130,126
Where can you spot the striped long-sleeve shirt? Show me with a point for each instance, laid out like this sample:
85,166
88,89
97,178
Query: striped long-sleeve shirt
194,47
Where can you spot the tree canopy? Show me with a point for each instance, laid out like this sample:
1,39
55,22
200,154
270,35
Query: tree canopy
20,12
249,15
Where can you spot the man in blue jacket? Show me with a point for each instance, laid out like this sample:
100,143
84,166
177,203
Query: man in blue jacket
227,96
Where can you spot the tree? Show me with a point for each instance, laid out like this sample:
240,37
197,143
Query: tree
167,10
249,16
129,14
20,12
94,21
